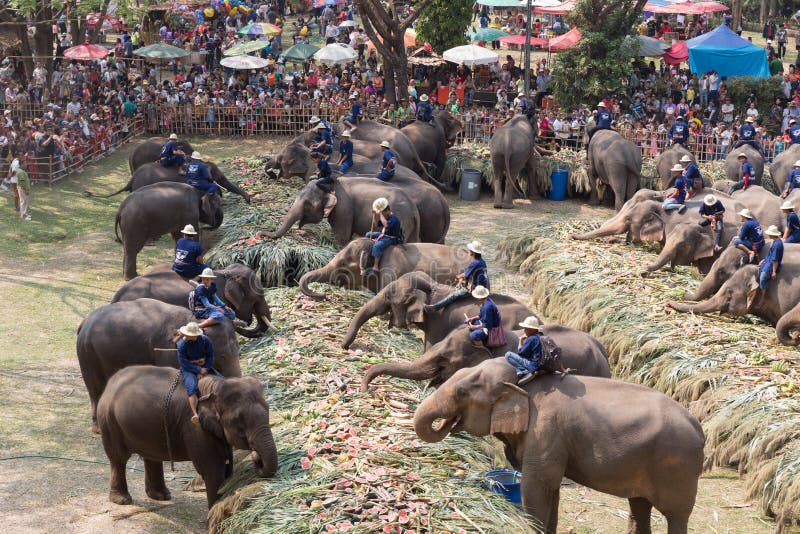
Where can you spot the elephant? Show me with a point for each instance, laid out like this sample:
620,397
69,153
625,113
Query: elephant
513,149
764,206
441,262
405,300
366,138
667,160
782,165
353,211
135,417
688,243
149,151
730,260
554,428
154,210
142,332
433,140
237,284
733,169
614,161
580,351
434,212
152,173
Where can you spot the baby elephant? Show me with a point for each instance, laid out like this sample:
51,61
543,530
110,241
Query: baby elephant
131,416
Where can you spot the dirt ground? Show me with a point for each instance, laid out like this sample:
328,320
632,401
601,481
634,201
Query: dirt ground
56,269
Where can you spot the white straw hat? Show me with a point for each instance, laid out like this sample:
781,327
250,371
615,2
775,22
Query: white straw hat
709,200
475,246
208,272
319,126
346,133
787,205
677,168
601,104
196,155
749,119
173,137
773,231
796,163
189,230
686,158
423,98
741,155
531,322
191,329
480,292
380,204
792,121
746,214
314,119
385,144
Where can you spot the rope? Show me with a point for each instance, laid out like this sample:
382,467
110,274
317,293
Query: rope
167,400
81,460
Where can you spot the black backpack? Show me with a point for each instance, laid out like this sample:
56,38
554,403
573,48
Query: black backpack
551,354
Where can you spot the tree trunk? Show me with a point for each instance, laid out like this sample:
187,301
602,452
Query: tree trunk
44,38
737,14
762,12
773,8
101,19
25,46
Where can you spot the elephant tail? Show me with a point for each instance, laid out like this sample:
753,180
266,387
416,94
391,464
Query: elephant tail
126,187
116,226
513,179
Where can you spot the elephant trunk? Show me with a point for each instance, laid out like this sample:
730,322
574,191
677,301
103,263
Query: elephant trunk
233,188
788,328
376,306
262,443
428,412
262,325
292,216
706,288
666,256
614,226
417,370
711,305
323,275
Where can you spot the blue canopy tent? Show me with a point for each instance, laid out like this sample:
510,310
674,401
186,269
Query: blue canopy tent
727,53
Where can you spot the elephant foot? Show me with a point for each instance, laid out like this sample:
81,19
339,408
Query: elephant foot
503,206
120,498
159,495
95,428
644,274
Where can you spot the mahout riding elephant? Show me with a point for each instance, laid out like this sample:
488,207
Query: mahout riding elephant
149,151
353,211
153,173
764,206
405,300
237,284
782,165
434,212
512,151
142,332
667,159
733,169
441,262
615,437
135,418
433,140
616,162
158,209
580,352
688,243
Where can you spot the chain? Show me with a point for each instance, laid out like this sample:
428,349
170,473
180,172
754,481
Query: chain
165,407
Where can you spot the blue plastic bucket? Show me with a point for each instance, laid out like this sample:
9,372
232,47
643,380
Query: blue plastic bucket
559,178
504,482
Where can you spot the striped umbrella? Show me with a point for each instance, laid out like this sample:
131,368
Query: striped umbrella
259,29
245,48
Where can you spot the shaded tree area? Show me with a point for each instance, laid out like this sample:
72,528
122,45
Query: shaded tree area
601,62
444,22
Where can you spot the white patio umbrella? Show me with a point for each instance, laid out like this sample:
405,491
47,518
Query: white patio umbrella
540,3
347,23
336,54
470,55
244,62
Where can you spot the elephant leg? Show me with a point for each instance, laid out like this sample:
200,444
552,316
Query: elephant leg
594,199
540,499
677,523
154,484
630,190
508,193
130,249
119,484
499,182
639,518
533,192
213,476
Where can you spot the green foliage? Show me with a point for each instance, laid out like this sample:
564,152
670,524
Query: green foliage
765,89
602,60
444,22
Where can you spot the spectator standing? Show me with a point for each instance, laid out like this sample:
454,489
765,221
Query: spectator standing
781,36
23,190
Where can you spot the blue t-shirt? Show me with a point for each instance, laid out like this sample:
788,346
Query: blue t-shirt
323,168
169,149
531,348
775,254
393,227
186,253
346,150
489,314
197,171
204,296
476,274
680,185
388,156
191,351
747,132
603,119
679,132
794,134
355,111
718,207
747,168
691,172
793,224
323,135
751,231
794,179
425,111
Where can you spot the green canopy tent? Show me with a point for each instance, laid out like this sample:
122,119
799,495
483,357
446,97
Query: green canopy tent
299,53
487,35
245,48
161,51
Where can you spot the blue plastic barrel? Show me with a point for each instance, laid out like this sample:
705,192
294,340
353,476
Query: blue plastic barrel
558,178
505,482
470,184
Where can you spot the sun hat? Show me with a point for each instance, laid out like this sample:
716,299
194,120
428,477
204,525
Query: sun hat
191,329
314,119
531,322
423,98
208,272
746,214
480,292
346,133
787,205
741,155
686,158
475,246
385,144
601,104
319,126
196,155
679,118
173,137
709,200
796,163
749,119
189,230
792,121
380,204
773,231
677,168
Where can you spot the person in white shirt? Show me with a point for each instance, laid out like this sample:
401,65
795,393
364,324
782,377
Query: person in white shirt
752,111
727,110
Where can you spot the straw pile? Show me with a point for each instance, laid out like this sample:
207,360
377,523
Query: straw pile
731,373
280,262
351,461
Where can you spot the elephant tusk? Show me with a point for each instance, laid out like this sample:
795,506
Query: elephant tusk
166,350
268,322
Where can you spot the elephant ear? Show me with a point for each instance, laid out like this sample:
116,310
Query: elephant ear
209,418
510,411
704,248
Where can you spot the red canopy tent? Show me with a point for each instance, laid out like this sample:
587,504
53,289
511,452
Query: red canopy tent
686,8
564,9
676,54
520,40
566,41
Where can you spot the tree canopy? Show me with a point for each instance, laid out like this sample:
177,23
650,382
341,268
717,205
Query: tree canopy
444,22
